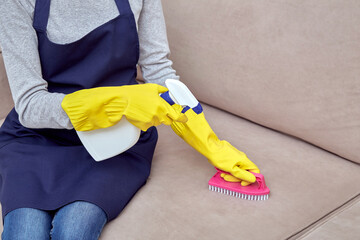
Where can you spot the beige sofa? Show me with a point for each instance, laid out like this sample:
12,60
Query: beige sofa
280,81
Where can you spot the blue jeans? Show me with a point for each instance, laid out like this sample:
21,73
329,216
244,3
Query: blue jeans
77,220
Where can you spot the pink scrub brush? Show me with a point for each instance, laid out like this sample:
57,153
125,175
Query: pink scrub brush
256,191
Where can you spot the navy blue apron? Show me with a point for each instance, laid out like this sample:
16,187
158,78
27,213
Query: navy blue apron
49,168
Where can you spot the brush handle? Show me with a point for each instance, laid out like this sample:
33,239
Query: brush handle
259,178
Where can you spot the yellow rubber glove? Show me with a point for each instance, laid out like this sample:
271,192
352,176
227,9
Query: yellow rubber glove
103,107
220,153
231,178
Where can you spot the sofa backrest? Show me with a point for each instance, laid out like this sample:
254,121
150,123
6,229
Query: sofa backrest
6,102
293,66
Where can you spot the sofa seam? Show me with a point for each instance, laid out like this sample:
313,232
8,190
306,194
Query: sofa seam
324,219
282,133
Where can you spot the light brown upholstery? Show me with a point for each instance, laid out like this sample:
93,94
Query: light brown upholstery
339,226
306,183
292,68
290,65
6,102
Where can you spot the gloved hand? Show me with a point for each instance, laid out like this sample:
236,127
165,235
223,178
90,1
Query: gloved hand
103,107
197,133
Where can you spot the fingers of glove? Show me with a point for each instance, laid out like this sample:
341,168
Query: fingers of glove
246,164
243,175
244,183
255,170
229,178
114,118
160,89
181,118
242,160
174,113
167,120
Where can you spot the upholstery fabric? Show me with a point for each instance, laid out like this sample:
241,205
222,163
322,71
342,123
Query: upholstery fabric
293,66
5,94
301,177
339,226
292,69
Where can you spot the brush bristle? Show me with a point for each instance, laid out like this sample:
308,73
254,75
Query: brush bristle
239,195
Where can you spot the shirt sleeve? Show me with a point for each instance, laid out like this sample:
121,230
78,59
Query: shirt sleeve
154,60
36,107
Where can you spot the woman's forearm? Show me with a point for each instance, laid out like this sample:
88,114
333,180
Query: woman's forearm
37,108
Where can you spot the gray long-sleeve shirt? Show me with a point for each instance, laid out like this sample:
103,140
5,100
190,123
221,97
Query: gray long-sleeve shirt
69,21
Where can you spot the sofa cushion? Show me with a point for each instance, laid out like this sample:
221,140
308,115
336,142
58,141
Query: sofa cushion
340,226
293,66
306,183
6,102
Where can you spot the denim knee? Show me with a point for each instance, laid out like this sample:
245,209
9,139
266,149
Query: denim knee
27,223
78,220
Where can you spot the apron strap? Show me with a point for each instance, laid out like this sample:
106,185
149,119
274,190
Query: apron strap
41,15
123,7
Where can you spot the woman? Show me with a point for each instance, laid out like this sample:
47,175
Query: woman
68,63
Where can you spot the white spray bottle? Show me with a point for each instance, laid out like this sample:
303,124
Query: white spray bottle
108,142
